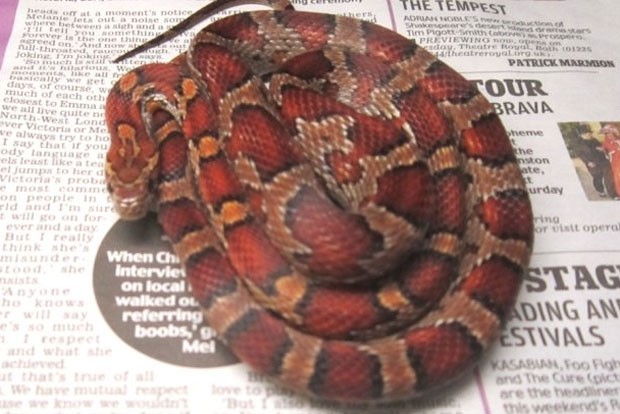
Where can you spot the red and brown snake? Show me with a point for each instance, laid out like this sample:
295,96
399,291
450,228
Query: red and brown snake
348,209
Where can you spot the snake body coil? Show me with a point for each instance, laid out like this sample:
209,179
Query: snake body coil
348,208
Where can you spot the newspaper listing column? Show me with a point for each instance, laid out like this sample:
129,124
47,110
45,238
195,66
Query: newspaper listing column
549,69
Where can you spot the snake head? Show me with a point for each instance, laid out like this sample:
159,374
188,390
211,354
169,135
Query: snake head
130,171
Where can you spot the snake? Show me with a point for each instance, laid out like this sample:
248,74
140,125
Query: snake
348,209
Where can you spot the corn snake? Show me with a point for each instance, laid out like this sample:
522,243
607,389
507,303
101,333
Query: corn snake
357,229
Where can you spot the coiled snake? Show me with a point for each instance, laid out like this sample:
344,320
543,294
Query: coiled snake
348,208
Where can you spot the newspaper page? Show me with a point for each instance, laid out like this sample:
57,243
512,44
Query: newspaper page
95,316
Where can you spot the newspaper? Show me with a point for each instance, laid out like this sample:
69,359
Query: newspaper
94,312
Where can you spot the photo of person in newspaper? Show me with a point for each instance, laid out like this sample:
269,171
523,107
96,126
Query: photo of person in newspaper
590,151
611,144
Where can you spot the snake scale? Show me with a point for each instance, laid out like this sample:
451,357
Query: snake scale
348,209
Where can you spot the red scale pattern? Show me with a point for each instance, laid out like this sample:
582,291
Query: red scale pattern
428,277
332,254
343,371
208,59
495,283
439,353
385,44
313,29
267,336
356,306
508,216
263,139
481,141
